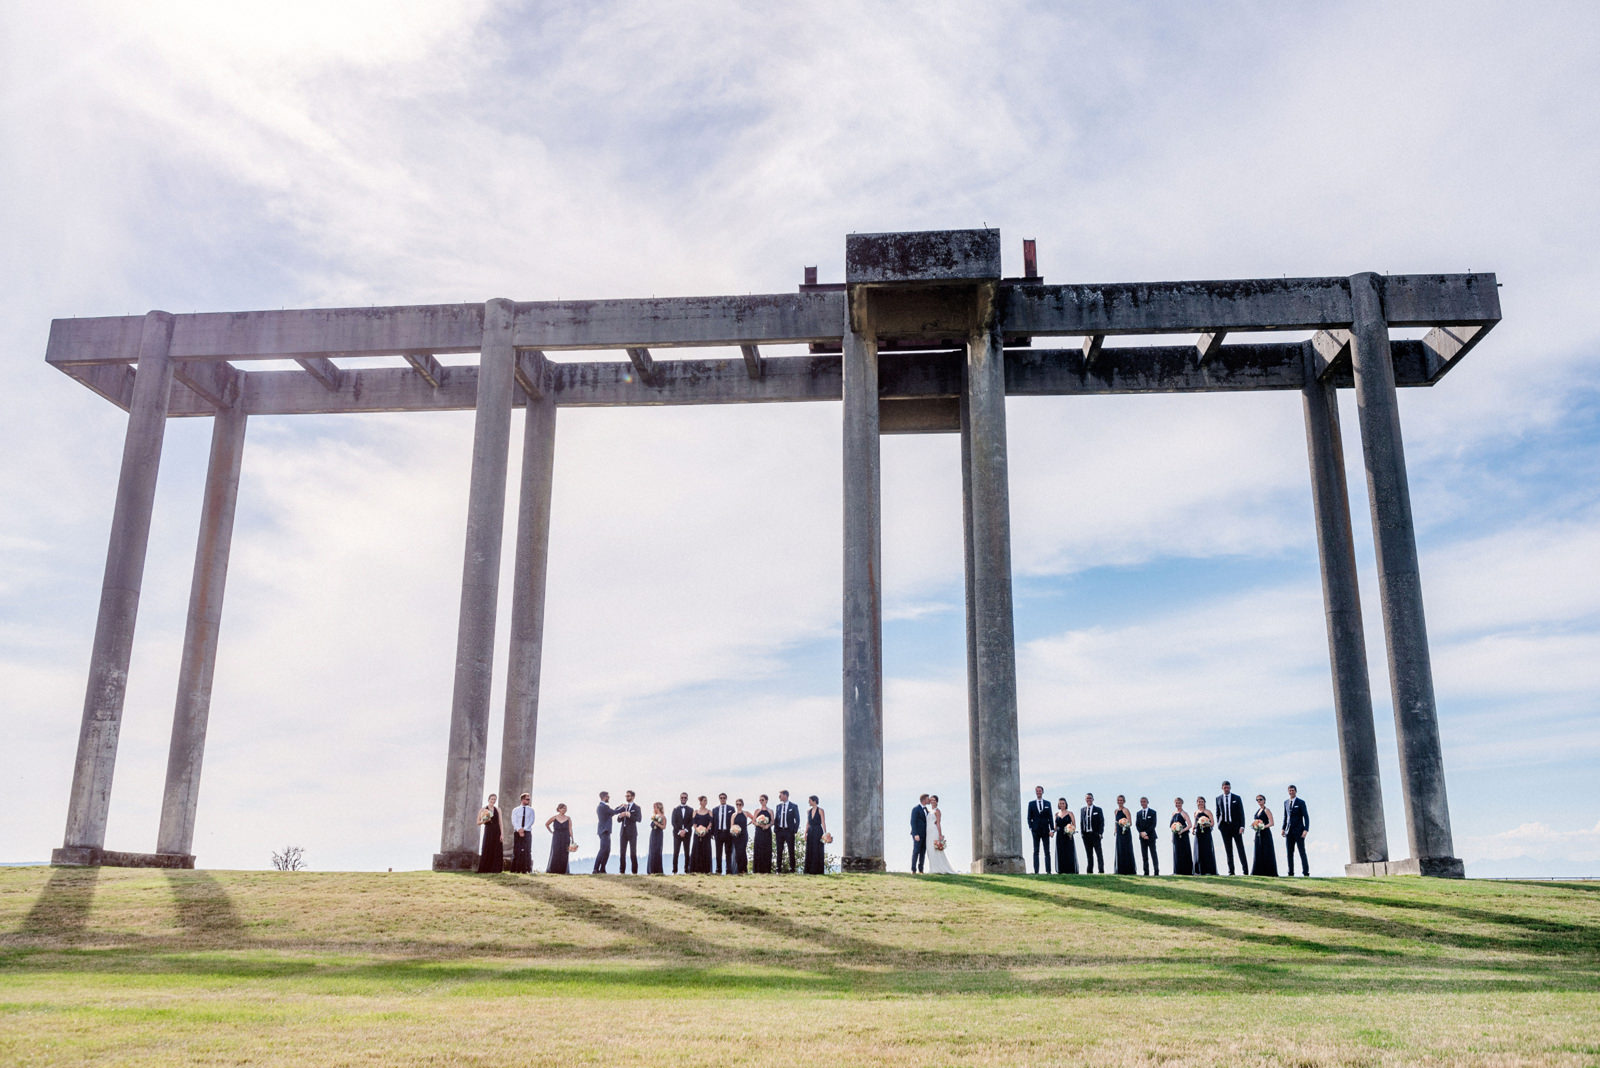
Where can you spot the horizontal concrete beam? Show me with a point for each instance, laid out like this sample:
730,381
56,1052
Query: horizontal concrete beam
427,367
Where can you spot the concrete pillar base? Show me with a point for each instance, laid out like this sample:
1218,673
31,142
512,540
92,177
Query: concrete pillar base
90,857
459,860
861,864
1431,867
999,866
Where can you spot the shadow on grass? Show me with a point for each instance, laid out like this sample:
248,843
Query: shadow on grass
203,906
62,908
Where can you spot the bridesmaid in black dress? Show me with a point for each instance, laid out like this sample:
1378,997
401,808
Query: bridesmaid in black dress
560,828
1182,855
816,830
761,842
1205,850
741,840
658,832
492,856
700,852
1066,852
1266,859
1125,865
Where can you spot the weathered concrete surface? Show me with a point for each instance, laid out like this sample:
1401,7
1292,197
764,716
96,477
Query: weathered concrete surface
198,666
980,826
520,736
90,801
922,256
1400,585
1347,648
480,577
88,857
994,649
862,846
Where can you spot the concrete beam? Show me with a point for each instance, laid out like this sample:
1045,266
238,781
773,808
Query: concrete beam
643,364
1444,346
426,366
327,374
922,256
1092,344
752,360
1329,352
919,415
89,803
218,383
1208,345
531,370
185,755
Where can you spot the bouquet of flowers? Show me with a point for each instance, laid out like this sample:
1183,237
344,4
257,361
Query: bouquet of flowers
572,847
1179,829
1258,825
827,839
658,821
701,830
485,814
736,829
938,843
1124,822
763,822
1203,823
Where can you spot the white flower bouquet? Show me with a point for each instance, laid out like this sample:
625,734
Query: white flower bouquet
763,822
736,829
938,843
701,830
1203,823
485,814
1258,825
1179,829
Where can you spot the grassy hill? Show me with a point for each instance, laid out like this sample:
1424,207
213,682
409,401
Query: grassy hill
135,967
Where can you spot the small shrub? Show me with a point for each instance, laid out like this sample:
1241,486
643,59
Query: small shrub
293,858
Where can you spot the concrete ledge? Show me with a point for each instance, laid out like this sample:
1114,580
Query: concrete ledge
90,857
999,866
1430,867
861,864
922,256
464,860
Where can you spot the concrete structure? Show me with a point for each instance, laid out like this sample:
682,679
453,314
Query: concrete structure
923,336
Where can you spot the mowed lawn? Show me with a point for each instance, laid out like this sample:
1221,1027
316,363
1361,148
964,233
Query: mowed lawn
236,968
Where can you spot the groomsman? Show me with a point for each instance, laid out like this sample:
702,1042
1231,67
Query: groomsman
1230,821
785,824
682,815
522,836
1144,821
1092,827
604,813
1296,822
919,834
721,836
1040,823
628,817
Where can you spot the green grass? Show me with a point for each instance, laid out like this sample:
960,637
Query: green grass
135,967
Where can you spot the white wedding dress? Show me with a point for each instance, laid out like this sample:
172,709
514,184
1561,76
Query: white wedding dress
938,863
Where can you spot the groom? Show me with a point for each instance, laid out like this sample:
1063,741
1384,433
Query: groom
919,834
1039,822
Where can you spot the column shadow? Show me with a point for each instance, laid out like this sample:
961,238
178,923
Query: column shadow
203,906
62,908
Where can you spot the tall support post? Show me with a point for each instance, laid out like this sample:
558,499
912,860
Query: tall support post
193,710
480,576
1347,647
527,602
980,841
90,801
863,609
1400,589
989,609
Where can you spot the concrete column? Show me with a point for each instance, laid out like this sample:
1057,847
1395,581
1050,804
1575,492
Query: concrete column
1347,648
90,800
1400,588
862,849
988,499
527,603
480,575
980,843
189,718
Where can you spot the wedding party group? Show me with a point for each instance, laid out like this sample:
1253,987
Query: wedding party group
720,839
1193,835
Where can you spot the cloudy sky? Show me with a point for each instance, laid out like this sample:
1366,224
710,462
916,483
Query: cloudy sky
203,156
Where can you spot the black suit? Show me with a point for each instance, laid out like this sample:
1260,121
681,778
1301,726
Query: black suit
785,825
1296,822
1041,821
1092,827
682,827
1230,821
919,838
628,817
721,826
1144,822
603,812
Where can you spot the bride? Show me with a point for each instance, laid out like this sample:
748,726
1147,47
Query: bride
938,862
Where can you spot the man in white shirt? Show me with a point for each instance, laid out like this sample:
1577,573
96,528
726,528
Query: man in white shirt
522,836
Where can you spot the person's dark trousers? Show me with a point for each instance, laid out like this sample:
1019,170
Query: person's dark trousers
1041,841
629,844
1290,844
1092,854
919,853
724,852
1149,855
1233,837
601,858
680,845
785,841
